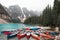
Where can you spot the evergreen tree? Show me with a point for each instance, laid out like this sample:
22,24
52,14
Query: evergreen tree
32,20
47,16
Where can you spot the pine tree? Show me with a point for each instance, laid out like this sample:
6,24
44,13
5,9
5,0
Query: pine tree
47,19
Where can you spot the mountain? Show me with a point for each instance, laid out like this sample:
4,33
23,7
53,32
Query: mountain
16,11
30,13
2,21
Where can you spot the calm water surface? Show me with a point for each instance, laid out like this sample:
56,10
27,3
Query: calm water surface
11,26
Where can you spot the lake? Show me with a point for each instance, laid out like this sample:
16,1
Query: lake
11,26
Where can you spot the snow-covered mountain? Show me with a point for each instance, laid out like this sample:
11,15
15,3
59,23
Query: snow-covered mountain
15,11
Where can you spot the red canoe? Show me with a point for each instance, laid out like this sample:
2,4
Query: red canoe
21,36
46,36
37,37
28,35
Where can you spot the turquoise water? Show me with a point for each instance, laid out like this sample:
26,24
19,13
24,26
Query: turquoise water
11,26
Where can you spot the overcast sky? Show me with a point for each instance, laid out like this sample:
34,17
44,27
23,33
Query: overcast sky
38,5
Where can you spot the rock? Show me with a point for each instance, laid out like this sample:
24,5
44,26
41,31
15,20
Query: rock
3,21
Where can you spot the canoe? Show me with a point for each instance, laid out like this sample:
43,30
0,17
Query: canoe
46,36
37,37
19,36
34,28
7,32
12,35
27,28
28,35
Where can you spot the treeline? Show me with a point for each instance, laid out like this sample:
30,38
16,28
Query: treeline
44,19
50,16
